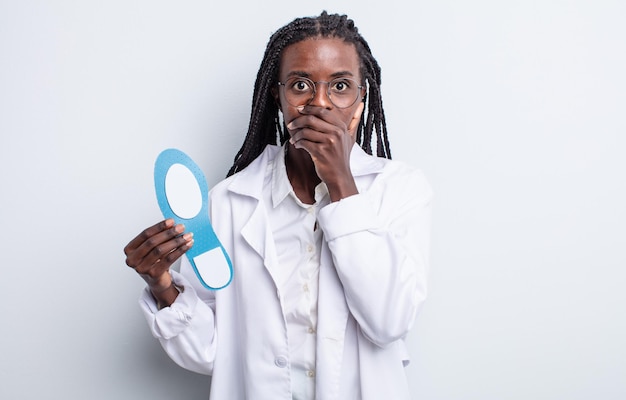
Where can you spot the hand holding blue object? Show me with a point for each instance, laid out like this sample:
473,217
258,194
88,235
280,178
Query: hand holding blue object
182,193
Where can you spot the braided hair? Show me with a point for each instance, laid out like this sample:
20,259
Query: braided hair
265,126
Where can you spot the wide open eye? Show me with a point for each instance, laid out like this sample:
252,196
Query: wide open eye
342,86
300,85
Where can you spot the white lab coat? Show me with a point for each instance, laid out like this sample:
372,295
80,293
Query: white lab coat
372,280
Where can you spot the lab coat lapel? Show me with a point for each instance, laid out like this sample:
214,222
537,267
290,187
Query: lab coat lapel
256,231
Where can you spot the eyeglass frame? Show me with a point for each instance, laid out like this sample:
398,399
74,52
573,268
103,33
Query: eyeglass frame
359,87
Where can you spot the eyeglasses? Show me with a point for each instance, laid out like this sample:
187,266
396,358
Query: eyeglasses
342,92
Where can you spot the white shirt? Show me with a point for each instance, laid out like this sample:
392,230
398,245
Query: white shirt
298,244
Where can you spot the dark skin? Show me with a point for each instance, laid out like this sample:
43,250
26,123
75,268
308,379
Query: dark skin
322,137
153,252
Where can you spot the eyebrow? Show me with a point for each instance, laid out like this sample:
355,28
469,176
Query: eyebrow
307,75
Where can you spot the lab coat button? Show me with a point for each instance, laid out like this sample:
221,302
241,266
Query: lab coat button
281,361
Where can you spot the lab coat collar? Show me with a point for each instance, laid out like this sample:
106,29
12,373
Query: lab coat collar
362,163
281,187
250,181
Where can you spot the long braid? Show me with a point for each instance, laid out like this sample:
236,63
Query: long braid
264,127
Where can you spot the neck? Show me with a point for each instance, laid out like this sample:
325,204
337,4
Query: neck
301,173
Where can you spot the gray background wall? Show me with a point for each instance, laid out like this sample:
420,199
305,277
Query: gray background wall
514,109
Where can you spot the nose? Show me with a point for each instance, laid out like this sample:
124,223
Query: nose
320,97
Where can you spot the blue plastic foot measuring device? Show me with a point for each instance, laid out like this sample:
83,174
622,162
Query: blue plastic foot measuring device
182,193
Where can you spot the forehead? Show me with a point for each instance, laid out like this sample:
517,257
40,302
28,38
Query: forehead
319,58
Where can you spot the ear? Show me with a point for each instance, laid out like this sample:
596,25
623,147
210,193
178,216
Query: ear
356,118
274,92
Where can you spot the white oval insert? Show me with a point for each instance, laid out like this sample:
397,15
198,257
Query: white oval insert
183,191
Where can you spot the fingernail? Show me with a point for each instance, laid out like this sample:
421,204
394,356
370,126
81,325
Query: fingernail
290,125
188,236
180,228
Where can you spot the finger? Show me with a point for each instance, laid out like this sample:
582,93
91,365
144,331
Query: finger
317,117
356,118
311,123
158,269
307,135
164,255
158,246
136,255
314,129
147,233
